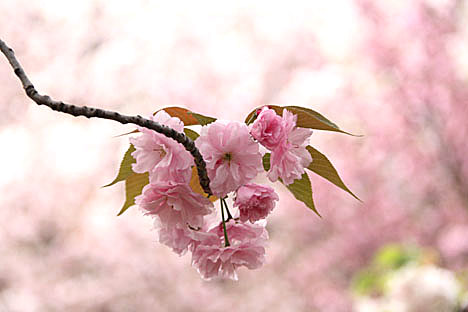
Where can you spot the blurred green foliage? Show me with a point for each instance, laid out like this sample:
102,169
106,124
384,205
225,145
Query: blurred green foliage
372,279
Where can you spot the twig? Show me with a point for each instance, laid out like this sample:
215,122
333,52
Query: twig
90,112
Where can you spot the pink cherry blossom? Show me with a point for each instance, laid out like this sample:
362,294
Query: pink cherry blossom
289,158
174,203
232,156
178,238
268,128
255,201
212,259
162,157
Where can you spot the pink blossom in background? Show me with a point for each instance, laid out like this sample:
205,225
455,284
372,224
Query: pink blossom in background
268,129
232,157
255,201
247,248
162,157
394,71
290,157
453,244
175,204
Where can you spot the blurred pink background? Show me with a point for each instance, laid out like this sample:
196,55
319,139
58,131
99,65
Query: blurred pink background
395,71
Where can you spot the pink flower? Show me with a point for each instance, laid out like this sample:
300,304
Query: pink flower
162,157
212,259
268,128
290,157
174,203
178,238
232,157
255,201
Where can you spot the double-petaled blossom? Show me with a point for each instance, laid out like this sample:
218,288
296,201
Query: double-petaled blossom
162,157
255,201
179,238
290,157
268,129
232,157
247,248
175,204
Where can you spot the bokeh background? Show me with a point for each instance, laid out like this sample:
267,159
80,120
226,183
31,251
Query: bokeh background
394,71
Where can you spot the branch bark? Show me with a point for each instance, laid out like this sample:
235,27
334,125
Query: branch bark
90,112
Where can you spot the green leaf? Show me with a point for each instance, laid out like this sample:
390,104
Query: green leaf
186,116
367,282
133,186
202,120
324,168
394,256
301,188
191,134
266,161
125,166
322,121
306,118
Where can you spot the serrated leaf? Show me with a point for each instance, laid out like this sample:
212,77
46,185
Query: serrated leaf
316,114
181,113
133,186
301,188
306,118
125,169
174,111
188,117
202,120
324,168
191,134
196,187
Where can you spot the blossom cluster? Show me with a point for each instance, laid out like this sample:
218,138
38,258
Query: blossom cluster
233,153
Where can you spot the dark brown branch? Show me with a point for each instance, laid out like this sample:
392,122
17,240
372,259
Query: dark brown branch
90,112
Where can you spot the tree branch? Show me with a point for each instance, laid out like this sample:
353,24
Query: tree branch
90,112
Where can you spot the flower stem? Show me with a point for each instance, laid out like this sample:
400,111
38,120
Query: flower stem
226,240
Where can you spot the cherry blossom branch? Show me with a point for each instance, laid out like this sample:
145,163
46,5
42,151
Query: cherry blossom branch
90,112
